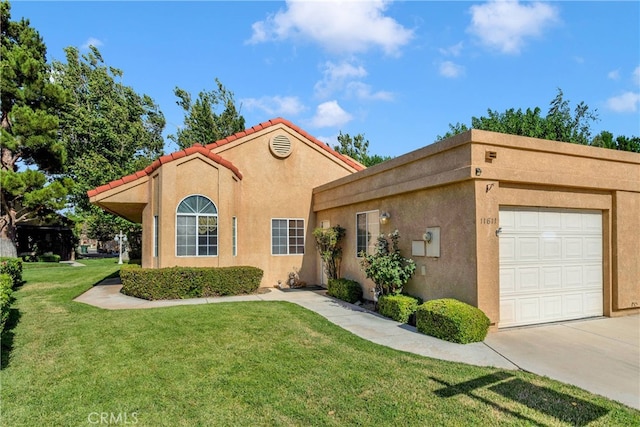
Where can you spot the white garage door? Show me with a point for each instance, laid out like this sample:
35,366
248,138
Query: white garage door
550,265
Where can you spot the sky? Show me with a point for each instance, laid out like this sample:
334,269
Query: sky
398,72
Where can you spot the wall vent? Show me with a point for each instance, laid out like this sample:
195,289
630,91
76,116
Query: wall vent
280,146
489,156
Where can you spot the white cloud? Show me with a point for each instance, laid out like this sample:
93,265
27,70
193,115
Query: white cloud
335,77
636,76
451,70
454,50
275,105
363,91
614,75
504,25
92,41
330,114
337,26
625,103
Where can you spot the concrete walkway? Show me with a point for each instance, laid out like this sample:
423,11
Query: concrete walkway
601,355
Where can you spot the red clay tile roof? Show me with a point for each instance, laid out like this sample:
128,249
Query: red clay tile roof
195,148
348,160
206,151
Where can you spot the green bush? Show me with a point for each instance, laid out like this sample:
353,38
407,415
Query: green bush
452,320
188,282
398,307
12,267
6,298
345,289
48,258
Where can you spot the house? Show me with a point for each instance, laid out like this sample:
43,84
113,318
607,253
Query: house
528,230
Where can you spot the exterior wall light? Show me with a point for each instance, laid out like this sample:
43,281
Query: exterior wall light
384,218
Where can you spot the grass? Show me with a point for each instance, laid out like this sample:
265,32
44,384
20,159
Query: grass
246,364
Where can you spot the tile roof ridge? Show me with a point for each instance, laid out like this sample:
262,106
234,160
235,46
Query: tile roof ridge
280,120
195,148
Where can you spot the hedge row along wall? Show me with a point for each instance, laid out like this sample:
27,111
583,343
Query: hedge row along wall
189,282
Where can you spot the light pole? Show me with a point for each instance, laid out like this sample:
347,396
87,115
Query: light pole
120,238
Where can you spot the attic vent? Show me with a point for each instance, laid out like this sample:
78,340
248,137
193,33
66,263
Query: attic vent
280,146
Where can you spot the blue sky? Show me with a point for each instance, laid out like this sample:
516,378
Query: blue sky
398,72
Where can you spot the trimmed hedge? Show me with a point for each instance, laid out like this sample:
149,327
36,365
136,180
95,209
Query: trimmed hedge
188,282
12,267
452,320
345,289
6,298
398,307
49,258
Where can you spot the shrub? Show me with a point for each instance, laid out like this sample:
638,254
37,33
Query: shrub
328,243
388,269
12,267
452,320
398,307
49,258
6,298
345,289
188,282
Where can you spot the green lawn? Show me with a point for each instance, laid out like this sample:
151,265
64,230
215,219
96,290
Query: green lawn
245,364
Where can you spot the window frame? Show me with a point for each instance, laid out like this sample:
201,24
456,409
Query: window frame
234,236
370,249
197,216
288,236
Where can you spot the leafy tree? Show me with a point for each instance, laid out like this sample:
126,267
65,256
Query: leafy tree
31,155
203,121
358,149
605,139
560,124
328,243
388,269
108,129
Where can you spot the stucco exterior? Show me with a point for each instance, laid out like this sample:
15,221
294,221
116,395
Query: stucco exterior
245,180
457,186
460,184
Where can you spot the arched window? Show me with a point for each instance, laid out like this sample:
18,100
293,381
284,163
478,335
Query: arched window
197,227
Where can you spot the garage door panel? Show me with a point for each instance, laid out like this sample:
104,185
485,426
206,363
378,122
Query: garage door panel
528,279
507,280
551,248
550,265
528,248
528,310
551,278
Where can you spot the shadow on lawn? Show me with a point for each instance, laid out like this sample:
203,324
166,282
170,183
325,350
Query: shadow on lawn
6,341
564,407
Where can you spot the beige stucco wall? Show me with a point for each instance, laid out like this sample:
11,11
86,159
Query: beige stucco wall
274,187
454,185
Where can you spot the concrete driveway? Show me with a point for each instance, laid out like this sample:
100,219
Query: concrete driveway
599,355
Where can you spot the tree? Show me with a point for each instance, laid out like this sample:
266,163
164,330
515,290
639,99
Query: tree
605,139
329,245
358,149
560,124
108,130
202,124
31,155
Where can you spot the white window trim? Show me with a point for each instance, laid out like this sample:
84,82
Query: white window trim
304,236
371,212
175,231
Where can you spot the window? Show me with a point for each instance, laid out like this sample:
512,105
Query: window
234,237
287,236
367,232
197,227
155,236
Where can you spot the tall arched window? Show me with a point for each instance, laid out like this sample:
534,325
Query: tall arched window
197,227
